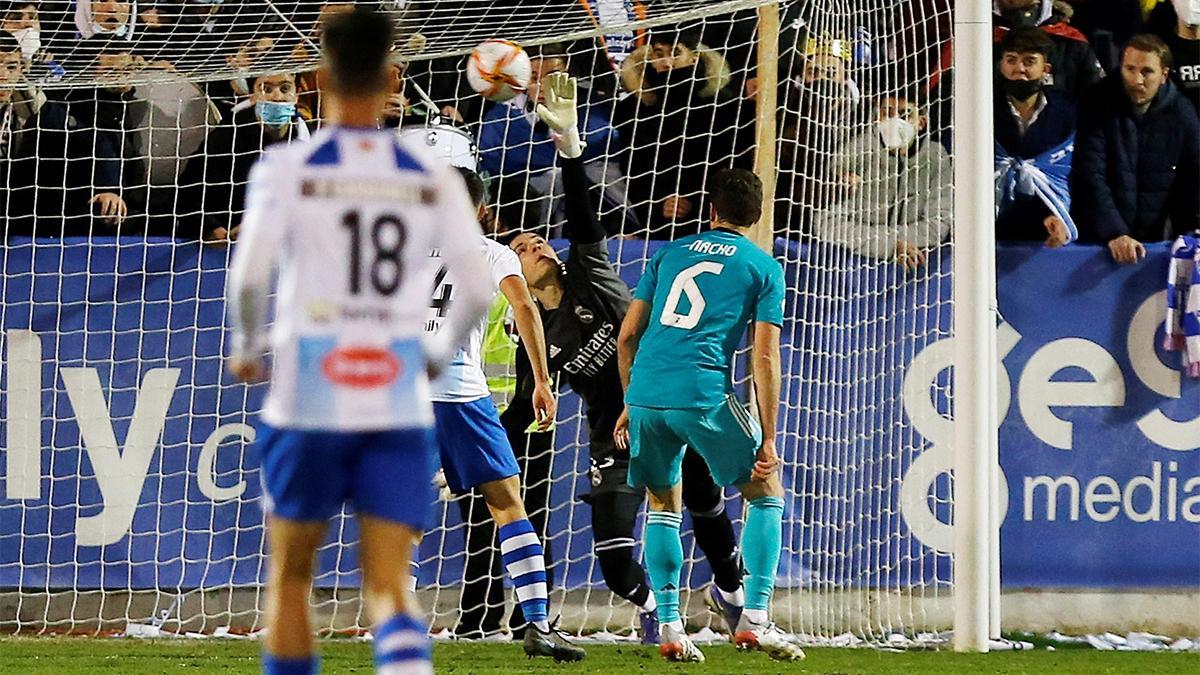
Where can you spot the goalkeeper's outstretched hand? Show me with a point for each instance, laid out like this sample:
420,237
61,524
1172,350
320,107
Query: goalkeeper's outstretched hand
558,111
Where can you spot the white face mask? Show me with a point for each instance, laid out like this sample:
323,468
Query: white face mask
896,133
119,31
30,40
1188,11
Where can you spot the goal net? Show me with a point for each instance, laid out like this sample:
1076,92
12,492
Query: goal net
130,496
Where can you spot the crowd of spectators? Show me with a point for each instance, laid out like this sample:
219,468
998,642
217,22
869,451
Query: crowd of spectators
1096,131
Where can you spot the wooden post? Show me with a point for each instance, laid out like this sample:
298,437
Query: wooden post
766,109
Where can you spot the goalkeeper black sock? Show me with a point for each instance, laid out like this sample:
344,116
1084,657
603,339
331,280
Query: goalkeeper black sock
714,536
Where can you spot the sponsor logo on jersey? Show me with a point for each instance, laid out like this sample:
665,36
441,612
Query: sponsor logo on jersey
555,350
585,315
361,367
360,189
323,312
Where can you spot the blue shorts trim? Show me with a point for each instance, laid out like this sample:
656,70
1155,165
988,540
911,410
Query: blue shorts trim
308,475
473,445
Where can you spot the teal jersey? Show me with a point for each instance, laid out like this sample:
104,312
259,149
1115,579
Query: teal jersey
704,291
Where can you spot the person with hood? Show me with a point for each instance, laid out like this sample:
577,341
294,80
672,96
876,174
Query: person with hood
682,120
1035,136
1074,66
898,185
213,186
1137,156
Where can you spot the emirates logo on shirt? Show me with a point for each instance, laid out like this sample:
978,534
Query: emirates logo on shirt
361,367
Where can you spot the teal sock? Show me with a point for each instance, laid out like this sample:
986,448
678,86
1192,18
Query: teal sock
762,539
664,561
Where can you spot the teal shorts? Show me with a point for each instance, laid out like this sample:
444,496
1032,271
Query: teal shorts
727,437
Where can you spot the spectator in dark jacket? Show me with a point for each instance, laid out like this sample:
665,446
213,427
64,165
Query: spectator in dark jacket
1035,129
78,161
213,186
1135,178
682,120
1074,66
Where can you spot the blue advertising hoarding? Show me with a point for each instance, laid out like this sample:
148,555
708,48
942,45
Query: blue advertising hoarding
127,461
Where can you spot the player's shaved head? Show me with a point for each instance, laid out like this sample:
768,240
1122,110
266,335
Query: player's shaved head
737,197
356,45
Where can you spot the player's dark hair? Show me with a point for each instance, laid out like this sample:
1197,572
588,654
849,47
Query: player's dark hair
475,187
1027,40
737,195
356,46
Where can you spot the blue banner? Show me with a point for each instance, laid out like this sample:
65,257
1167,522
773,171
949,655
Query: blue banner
128,460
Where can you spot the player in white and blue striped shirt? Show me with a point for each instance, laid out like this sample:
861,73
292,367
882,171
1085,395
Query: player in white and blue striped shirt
349,220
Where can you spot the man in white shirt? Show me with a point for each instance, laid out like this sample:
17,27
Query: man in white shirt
349,219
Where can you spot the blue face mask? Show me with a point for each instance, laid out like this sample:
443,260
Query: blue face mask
275,114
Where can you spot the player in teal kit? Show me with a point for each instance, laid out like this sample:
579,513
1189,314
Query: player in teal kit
690,311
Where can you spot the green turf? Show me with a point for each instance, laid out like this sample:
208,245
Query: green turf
64,656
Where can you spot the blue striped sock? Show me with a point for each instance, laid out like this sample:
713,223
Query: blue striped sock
304,665
522,554
664,561
762,539
402,646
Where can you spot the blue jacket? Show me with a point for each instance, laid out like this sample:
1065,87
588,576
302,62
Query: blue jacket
509,143
1132,175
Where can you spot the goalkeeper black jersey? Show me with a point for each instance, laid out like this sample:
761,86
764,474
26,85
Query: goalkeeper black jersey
581,333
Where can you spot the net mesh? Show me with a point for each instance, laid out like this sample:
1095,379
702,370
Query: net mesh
131,493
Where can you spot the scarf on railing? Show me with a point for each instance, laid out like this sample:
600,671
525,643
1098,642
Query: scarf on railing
1183,302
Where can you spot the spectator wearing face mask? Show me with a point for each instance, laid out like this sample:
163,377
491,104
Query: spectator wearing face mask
1074,66
897,187
213,186
1137,156
1177,23
117,18
1035,134
22,20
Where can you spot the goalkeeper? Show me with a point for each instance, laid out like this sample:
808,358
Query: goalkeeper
583,302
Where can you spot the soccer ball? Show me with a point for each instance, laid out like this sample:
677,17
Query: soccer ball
498,69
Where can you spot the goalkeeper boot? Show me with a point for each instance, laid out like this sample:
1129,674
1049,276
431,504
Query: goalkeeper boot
677,646
552,643
719,605
769,638
648,627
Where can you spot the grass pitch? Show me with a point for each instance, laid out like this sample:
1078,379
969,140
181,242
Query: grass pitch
68,655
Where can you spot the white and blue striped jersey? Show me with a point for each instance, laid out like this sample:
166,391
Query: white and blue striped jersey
348,221
464,379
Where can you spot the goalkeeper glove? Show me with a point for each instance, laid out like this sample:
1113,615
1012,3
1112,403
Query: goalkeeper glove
559,113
